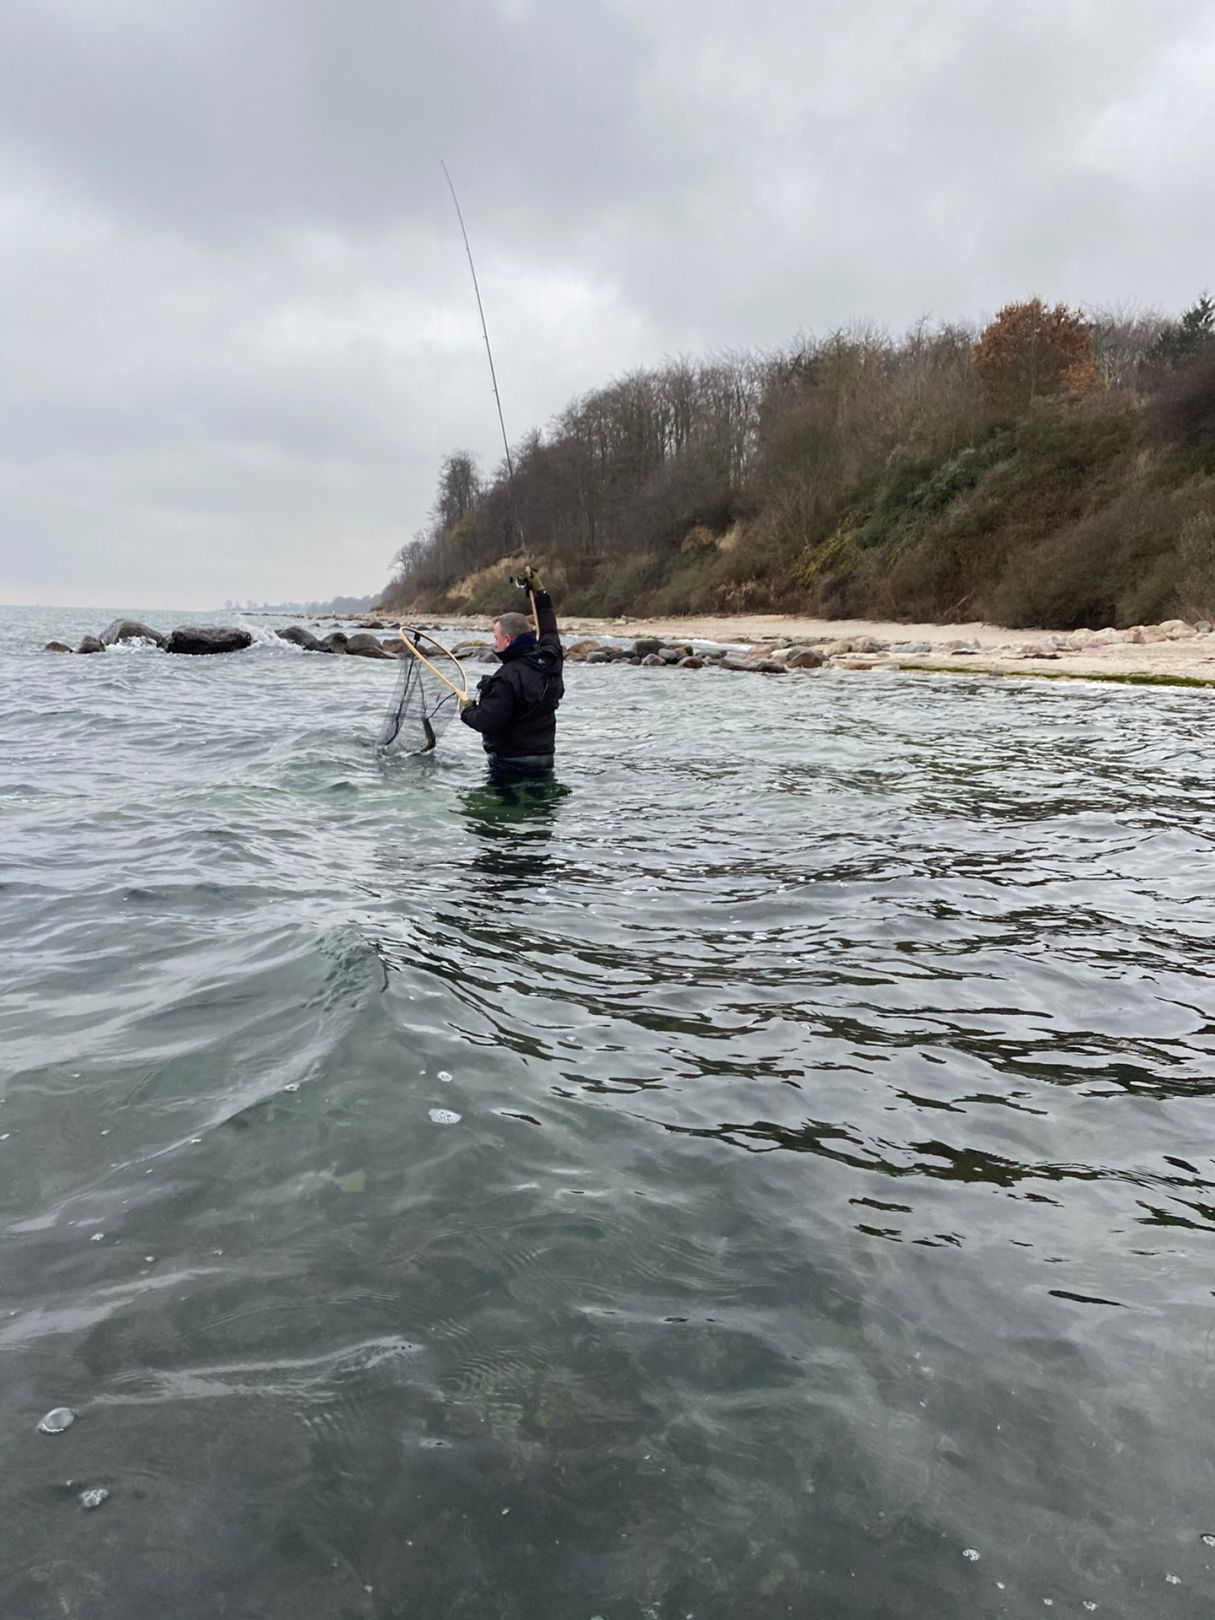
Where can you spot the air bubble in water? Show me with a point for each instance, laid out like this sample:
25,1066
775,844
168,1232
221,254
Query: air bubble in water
444,1116
1173,1580
56,1421
971,1553
443,1075
96,1237
93,1498
1208,1541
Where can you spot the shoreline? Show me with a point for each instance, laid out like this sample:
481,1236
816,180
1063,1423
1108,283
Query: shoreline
972,648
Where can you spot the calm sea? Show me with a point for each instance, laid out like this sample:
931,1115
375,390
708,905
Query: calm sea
765,1171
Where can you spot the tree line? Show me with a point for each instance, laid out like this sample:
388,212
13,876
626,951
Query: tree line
1056,467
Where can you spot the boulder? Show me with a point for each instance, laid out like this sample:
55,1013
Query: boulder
1202,627
1177,630
1110,637
207,638
732,661
690,662
365,645
669,655
805,658
91,644
769,666
462,647
580,650
1034,649
652,661
868,644
646,646
130,630
911,648
299,637
56,646
599,656
334,642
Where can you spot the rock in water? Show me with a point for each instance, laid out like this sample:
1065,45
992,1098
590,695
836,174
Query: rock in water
365,645
130,630
90,644
335,642
56,646
57,1420
207,638
296,634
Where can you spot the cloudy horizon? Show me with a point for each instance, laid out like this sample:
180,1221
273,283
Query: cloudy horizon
240,331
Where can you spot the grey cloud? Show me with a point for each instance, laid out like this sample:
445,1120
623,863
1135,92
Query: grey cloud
240,332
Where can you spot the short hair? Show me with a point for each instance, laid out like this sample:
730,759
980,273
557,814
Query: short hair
513,624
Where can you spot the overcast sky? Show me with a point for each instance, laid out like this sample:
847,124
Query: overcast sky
238,327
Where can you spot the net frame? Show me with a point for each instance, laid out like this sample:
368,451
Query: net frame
417,663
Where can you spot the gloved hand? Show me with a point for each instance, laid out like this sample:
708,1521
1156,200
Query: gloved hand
527,580
464,699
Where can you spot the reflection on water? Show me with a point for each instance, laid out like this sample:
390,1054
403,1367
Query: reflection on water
827,1204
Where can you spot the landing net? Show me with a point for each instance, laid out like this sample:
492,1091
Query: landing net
429,687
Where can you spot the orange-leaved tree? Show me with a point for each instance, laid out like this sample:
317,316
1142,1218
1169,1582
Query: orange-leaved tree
1030,351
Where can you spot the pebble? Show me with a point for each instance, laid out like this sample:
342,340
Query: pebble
444,1116
57,1420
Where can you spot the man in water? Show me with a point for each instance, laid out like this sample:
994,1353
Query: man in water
515,709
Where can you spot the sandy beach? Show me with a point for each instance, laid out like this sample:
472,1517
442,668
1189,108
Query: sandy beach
972,647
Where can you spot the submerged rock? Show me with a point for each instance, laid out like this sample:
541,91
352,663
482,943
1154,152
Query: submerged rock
57,646
208,638
57,1420
130,630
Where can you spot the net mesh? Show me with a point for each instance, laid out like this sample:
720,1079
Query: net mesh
423,705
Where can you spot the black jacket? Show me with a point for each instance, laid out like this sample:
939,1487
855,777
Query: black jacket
516,706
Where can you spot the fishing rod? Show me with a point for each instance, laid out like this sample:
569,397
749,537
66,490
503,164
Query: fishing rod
493,376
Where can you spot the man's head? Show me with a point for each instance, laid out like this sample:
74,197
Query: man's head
507,627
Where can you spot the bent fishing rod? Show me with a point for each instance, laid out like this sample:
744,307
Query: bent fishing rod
493,377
